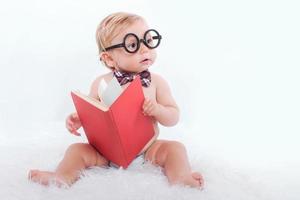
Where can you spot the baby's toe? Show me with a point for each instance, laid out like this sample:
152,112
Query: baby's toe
197,176
32,173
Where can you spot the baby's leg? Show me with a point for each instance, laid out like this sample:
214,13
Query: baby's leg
173,158
77,157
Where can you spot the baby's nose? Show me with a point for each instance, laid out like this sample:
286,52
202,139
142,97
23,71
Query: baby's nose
143,47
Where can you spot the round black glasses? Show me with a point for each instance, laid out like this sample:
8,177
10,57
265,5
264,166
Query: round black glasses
131,42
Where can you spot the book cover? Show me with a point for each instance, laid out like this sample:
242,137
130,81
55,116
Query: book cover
118,132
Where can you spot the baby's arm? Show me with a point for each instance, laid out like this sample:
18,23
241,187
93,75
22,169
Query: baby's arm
164,109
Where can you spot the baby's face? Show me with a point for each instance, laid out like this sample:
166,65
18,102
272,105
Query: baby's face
133,62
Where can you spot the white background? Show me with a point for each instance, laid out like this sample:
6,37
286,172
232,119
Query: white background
233,67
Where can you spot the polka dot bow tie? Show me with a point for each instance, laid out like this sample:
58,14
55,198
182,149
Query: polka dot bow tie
125,77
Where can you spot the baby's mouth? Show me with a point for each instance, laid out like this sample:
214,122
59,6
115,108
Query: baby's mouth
145,61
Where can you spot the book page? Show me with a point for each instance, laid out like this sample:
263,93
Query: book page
109,92
92,101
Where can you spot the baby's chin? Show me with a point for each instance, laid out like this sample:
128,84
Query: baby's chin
145,67
141,68
136,69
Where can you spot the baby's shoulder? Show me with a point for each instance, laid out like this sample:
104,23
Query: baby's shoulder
157,79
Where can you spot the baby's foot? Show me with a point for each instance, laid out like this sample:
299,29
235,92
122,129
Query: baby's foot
45,178
194,180
198,177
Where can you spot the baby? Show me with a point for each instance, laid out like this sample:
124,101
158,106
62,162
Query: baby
127,47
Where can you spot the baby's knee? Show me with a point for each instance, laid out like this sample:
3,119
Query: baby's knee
76,147
174,146
80,149
168,148
88,154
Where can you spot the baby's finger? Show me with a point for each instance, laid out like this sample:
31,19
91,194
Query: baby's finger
69,122
145,104
70,129
74,132
146,108
72,119
150,111
71,126
151,106
75,116
68,126
147,100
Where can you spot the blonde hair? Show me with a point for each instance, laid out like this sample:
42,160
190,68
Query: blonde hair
111,26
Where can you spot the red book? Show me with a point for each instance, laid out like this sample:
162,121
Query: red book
118,132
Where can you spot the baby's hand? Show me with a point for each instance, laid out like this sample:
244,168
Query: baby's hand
150,107
73,123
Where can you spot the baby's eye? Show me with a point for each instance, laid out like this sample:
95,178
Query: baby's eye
131,45
149,40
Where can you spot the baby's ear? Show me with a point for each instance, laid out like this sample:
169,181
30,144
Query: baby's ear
107,59
101,56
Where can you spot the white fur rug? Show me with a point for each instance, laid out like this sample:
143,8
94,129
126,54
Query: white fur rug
43,148
235,78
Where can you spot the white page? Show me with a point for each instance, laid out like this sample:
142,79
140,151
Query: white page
109,92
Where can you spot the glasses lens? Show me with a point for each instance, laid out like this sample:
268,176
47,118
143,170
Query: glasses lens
131,43
152,38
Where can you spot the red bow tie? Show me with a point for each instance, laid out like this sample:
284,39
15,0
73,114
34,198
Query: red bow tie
125,77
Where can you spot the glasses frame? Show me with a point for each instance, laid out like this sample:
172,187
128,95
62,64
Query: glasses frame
143,40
